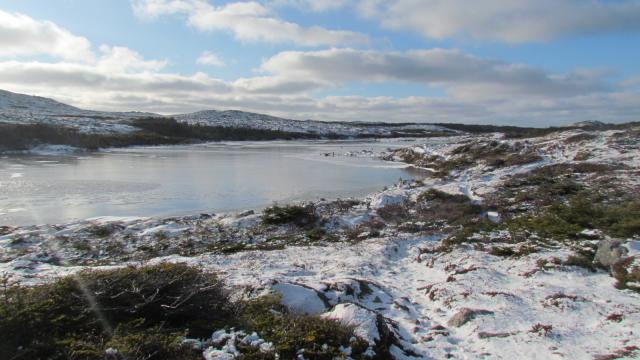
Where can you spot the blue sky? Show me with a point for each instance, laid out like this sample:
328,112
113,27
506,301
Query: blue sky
526,62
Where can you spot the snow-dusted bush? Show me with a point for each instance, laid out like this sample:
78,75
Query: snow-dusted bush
154,312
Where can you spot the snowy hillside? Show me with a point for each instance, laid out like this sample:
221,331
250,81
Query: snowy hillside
234,118
10,102
25,109
588,123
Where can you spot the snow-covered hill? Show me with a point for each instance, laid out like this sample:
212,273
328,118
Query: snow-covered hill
588,123
234,118
18,102
25,109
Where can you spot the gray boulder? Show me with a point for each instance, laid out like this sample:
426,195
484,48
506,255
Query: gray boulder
610,251
465,315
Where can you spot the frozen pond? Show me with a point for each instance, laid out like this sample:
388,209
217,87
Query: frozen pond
160,181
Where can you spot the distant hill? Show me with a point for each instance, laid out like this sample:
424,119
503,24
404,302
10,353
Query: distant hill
10,101
213,125
588,123
25,109
235,118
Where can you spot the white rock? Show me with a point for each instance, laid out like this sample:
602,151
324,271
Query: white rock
299,298
215,354
494,216
392,197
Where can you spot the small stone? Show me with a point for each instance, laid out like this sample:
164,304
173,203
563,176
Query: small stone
609,252
465,315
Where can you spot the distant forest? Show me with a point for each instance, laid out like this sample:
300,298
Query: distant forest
167,130
153,131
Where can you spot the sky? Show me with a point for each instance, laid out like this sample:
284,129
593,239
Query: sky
517,62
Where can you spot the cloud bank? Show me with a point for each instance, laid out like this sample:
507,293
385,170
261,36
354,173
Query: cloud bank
295,84
247,21
511,21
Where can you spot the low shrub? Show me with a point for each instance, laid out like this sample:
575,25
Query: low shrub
290,214
582,260
320,338
25,136
513,132
393,212
434,205
170,127
101,231
146,312
437,195
498,154
579,138
465,234
522,159
364,230
315,233
153,131
502,251
563,221
626,274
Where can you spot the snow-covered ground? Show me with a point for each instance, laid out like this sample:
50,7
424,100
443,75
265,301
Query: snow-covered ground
463,303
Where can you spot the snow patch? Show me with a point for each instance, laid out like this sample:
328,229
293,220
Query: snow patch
363,321
299,298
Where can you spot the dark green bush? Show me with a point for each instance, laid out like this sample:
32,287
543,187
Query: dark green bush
434,205
170,127
153,131
291,332
502,251
145,313
25,136
563,221
150,306
580,137
465,233
290,214
437,195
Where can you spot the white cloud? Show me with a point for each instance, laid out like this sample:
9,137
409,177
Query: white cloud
312,5
247,21
279,85
477,90
151,9
209,58
512,21
462,75
21,35
140,84
120,59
